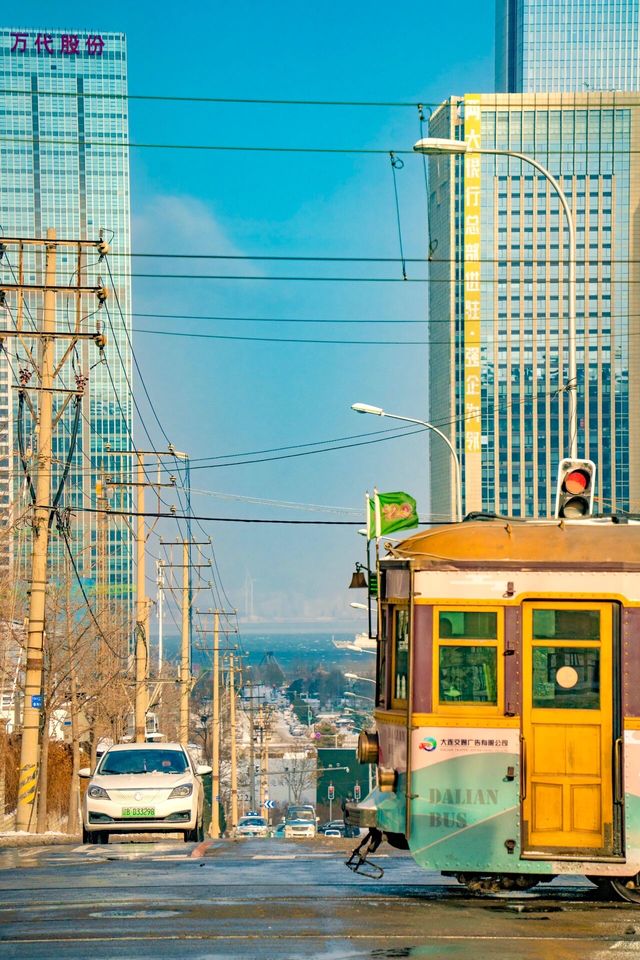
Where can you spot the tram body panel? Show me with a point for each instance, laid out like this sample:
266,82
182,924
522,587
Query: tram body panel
466,811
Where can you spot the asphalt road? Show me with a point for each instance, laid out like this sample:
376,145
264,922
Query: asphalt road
274,899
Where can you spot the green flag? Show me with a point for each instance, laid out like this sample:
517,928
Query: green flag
391,512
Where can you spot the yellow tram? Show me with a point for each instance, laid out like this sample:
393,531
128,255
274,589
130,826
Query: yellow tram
507,737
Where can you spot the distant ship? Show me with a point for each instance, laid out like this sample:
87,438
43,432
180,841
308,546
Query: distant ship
362,643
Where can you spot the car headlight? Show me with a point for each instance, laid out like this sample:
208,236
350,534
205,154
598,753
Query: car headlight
97,793
184,791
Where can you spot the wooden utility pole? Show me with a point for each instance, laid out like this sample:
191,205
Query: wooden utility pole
233,745
252,751
141,655
48,367
142,614
214,828
185,644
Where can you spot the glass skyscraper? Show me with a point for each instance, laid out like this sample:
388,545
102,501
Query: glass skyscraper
64,164
567,45
498,298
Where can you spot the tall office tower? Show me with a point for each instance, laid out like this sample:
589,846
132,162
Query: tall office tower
64,164
562,45
498,298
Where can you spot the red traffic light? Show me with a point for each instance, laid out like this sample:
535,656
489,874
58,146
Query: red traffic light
577,481
575,489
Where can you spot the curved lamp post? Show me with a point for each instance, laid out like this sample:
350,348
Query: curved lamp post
379,412
435,146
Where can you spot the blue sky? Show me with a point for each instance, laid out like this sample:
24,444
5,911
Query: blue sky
219,397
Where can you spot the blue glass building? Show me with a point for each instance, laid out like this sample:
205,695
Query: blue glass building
589,142
567,45
64,164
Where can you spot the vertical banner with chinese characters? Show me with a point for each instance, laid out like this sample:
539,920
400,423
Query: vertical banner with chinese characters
471,326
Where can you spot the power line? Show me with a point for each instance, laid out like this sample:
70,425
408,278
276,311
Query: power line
220,100
214,336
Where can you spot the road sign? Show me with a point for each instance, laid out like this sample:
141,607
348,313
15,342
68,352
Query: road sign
36,701
270,804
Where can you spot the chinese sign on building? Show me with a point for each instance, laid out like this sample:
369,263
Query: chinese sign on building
70,44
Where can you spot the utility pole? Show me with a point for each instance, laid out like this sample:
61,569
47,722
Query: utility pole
185,645
233,744
264,726
252,751
49,367
141,656
160,583
214,826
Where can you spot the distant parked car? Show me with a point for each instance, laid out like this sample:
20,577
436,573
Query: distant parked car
252,826
279,831
143,787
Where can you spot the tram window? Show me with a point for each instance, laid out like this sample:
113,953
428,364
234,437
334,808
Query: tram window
566,678
469,624
468,674
565,624
381,686
400,654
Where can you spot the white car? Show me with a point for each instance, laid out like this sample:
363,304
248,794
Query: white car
253,826
143,787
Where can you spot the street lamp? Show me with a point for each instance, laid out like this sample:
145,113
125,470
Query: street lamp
359,696
437,146
379,412
355,676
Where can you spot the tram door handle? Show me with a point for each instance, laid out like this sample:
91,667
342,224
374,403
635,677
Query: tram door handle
618,785
523,768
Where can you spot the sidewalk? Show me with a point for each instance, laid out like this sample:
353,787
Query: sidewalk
51,838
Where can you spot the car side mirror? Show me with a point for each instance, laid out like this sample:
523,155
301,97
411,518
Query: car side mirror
203,769
84,772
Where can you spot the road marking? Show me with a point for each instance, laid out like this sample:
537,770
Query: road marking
275,856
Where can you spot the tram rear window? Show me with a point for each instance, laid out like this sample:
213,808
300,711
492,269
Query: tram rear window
468,674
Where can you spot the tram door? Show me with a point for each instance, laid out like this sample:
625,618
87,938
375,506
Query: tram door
567,729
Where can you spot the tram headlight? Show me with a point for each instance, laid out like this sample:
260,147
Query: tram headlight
368,746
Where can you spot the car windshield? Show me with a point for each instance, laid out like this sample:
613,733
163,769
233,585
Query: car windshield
143,761
300,813
252,822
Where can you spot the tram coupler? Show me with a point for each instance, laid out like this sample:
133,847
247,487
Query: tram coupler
359,860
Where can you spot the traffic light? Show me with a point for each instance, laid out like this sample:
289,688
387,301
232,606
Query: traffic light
575,489
331,792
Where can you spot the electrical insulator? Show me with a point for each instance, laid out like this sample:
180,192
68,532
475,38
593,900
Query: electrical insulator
103,248
100,341
103,293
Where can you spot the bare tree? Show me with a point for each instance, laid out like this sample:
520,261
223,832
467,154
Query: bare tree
298,774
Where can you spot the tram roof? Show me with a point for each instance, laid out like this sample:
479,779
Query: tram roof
591,543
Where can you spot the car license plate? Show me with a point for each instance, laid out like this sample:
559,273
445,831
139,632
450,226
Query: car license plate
136,812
